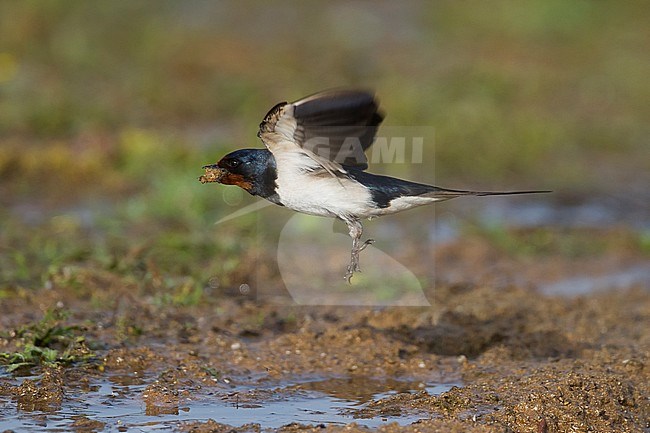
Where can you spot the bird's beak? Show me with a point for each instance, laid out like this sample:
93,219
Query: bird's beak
213,173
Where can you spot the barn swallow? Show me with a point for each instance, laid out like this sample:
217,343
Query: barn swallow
314,163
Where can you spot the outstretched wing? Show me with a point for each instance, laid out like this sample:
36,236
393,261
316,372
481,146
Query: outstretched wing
333,128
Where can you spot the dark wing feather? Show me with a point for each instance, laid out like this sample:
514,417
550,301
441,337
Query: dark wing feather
385,189
271,118
334,127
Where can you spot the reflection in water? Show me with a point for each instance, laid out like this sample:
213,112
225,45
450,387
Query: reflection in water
358,389
323,401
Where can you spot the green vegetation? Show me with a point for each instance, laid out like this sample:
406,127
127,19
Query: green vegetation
108,110
48,341
644,241
505,86
567,243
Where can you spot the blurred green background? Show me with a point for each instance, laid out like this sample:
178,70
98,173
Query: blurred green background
108,110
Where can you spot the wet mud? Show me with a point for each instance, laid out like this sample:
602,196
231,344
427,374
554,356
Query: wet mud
493,353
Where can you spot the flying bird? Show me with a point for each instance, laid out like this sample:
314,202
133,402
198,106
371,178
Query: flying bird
314,163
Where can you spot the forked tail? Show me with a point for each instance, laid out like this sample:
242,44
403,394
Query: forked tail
445,194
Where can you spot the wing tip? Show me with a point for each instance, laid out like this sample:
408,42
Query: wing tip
339,99
336,92
271,118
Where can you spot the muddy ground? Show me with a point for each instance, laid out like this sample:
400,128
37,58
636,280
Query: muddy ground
509,357
124,307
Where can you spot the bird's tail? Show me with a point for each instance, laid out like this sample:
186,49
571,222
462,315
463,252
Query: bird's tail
446,194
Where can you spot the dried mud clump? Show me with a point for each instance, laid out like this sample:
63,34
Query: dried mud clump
211,175
44,395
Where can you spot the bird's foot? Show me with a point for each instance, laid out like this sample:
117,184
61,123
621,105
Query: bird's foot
365,244
349,273
354,260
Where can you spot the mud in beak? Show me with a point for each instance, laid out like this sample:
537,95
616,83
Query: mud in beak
213,173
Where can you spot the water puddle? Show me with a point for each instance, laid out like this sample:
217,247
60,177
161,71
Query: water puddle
505,212
584,285
121,407
602,211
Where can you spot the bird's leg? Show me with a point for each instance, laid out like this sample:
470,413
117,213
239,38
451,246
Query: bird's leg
356,230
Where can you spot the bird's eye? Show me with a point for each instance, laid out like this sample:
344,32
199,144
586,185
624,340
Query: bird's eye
233,163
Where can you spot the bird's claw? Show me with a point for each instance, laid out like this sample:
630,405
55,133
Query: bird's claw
352,268
365,244
354,260
348,274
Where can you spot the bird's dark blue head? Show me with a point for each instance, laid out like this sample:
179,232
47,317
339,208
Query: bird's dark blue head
250,169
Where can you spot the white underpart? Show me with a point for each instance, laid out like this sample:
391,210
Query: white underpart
403,203
324,195
330,196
